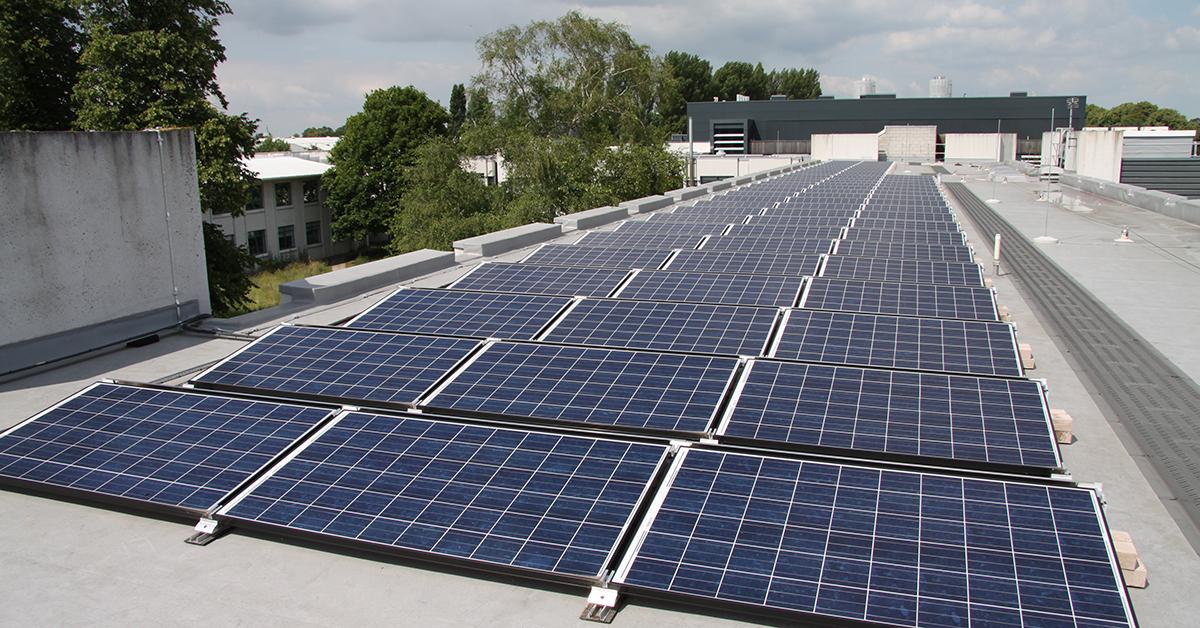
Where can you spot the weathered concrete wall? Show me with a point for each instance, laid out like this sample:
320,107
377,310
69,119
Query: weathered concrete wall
100,231
909,143
981,146
1098,154
846,146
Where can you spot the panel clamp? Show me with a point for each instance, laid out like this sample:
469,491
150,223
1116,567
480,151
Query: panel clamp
601,605
206,531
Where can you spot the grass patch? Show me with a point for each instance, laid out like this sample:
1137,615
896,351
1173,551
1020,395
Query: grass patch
265,292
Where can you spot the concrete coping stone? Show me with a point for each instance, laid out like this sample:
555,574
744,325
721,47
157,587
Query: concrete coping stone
591,218
721,185
507,240
347,282
647,204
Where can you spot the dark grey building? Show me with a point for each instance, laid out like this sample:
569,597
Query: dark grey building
756,125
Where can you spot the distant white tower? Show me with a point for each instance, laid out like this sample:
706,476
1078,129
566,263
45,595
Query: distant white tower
940,87
864,86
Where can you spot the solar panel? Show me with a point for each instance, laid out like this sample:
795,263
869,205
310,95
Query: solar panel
458,313
636,390
899,250
490,497
894,547
910,237
716,288
639,241
902,270
595,256
745,263
339,364
694,328
816,230
534,279
766,245
642,227
921,226
986,421
178,451
925,344
910,299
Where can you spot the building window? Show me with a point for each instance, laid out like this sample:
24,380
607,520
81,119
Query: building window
312,189
312,232
287,237
256,242
256,200
283,194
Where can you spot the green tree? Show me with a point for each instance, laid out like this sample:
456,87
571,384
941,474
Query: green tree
739,77
692,83
365,184
795,83
268,144
228,284
458,107
1141,113
633,171
575,76
153,64
443,202
317,131
479,108
39,62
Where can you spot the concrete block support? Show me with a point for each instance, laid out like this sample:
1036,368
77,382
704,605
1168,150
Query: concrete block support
721,185
647,204
347,282
687,194
507,240
591,218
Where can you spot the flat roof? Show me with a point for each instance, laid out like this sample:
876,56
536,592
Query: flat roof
69,563
274,167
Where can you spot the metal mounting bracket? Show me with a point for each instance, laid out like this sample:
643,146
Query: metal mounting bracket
601,605
206,531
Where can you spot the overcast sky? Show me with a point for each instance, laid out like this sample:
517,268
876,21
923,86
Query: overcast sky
300,63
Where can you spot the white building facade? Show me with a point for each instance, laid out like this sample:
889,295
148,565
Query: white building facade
286,217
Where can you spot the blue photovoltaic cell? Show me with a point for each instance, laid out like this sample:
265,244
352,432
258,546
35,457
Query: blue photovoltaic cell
894,547
602,387
905,237
766,245
596,256
745,263
695,328
817,230
457,313
642,227
639,241
717,288
956,417
911,299
161,447
533,279
902,250
515,498
905,342
340,363
903,270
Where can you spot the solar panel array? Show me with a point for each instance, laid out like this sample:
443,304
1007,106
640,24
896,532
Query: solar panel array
834,310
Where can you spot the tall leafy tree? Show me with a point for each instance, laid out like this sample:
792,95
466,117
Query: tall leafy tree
574,76
479,108
365,184
1141,113
443,202
317,131
458,107
692,83
740,77
795,83
152,63
39,62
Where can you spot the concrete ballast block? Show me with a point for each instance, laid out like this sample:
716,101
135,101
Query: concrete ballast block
1004,313
1027,356
509,239
591,218
1063,426
1138,577
687,194
347,282
647,204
